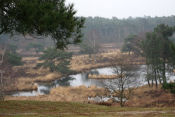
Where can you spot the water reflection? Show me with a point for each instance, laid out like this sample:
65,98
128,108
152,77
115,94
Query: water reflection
64,81
82,79
44,88
26,93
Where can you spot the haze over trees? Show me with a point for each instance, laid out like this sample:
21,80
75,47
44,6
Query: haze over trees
104,30
116,30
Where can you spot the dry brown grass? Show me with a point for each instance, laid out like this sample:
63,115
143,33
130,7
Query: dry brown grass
68,94
21,84
48,77
83,62
77,94
78,64
80,68
150,97
143,96
102,76
26,85
30,58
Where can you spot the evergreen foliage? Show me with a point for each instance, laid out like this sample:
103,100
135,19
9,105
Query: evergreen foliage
157,49
12,57
170,87
56,60
89,48
38,47
130,44
41,18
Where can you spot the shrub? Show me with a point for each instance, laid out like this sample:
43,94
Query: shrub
38,47
56,60
170,87
14,59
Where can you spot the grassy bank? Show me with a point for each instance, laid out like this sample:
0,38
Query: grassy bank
68,94
142,97
65,109
102,76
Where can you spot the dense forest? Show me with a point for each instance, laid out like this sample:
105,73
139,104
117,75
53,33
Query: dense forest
116,30
105,30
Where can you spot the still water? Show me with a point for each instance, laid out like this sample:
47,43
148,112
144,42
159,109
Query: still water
82,79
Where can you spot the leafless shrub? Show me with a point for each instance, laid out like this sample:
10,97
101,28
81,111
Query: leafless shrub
121,88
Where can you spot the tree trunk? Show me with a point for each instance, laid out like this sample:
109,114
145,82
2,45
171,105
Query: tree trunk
148,83
152,81
2,56
121,98
119,35
122,90
160,81
164,71
1,76
155,77
148,77
1,86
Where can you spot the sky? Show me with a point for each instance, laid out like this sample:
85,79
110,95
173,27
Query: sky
123,8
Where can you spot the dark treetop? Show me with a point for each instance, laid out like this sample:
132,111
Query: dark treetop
40,18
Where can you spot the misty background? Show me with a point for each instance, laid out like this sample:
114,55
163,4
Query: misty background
111,21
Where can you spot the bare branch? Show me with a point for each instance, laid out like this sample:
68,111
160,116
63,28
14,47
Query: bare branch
122,86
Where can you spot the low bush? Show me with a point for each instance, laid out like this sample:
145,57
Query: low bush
56,60
14,59
170,87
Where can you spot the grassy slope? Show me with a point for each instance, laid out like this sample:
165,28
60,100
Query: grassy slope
64,109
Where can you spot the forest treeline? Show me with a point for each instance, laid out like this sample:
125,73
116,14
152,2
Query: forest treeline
116,30
105,30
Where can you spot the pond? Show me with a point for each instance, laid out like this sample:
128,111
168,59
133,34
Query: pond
82,79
